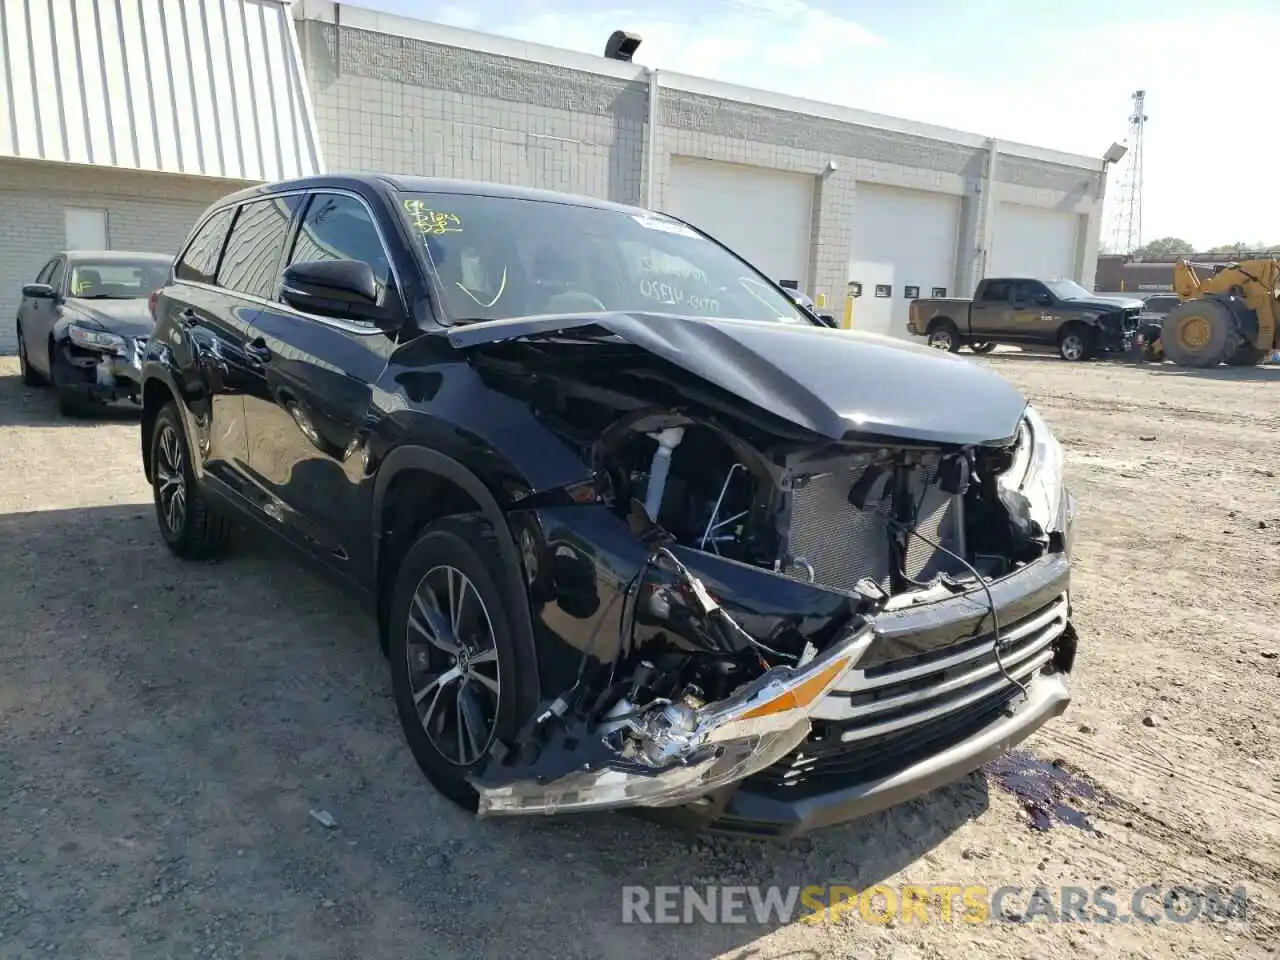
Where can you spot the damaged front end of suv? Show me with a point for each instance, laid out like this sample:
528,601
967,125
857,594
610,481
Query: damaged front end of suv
806,574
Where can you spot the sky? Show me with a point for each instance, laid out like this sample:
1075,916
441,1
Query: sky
1055,75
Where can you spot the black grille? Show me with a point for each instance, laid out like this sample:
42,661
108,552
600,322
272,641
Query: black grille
835,764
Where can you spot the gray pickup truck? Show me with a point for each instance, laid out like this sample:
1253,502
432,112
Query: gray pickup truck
1029,312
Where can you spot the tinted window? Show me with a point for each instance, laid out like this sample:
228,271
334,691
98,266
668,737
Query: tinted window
251,262
996,290
55,276
499,257
200,262
338,227
46,271
1027,290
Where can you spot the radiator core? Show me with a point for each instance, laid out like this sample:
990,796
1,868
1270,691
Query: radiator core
841,544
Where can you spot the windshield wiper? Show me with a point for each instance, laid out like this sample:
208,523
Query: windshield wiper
103,296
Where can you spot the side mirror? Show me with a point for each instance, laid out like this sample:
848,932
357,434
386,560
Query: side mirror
345,289
828,319
1045,300
40,291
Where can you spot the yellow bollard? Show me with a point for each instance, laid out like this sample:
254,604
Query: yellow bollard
848,313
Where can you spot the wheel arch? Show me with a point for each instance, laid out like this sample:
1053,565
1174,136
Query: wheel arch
1088,325
941,319
156,392
415,486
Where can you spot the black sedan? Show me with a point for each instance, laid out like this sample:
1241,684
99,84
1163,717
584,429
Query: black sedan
84,321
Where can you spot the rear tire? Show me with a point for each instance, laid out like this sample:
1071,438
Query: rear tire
191,530
1247,355
943,335
451,724
982,346
1199,333
1075,342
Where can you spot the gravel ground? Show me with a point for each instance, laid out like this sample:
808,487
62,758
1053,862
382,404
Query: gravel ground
165,730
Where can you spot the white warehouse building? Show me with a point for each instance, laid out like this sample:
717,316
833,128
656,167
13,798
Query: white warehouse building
121,119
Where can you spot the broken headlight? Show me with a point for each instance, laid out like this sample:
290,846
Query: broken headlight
95,339
1037,472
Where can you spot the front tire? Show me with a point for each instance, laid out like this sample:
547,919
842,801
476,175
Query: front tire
69,403
191,530
461,675
1075,343
943,335
30,377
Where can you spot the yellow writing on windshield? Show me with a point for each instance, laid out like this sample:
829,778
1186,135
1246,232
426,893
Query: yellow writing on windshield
427,220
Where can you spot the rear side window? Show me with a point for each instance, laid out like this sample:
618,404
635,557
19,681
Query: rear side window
996,291
251,262
200,262
339,227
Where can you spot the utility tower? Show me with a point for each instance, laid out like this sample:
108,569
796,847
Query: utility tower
1126,235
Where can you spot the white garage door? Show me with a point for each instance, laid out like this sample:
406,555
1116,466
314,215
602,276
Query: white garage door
763,215
1033,242
904,246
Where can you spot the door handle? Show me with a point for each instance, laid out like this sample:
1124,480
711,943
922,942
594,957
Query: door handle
257,348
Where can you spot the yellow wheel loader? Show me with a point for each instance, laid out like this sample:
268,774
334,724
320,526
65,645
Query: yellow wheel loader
1231,316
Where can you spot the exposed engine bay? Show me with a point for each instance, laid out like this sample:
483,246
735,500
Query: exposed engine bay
685,689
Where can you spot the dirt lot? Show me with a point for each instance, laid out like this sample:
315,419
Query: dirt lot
165,730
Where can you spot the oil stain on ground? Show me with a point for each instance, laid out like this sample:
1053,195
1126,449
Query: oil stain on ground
1049,792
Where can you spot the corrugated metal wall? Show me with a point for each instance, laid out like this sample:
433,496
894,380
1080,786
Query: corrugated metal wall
207,87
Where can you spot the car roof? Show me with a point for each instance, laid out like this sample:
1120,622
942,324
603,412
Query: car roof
413,184
113,256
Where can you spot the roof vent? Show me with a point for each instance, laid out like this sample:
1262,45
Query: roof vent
621,45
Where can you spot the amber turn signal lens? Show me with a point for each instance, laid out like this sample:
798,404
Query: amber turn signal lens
802,696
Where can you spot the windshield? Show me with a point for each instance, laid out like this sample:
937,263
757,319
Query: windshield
500,257
1067,289
116,279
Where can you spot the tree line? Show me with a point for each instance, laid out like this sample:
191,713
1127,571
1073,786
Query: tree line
1176,246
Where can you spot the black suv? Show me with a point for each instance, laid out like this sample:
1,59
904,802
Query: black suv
639,530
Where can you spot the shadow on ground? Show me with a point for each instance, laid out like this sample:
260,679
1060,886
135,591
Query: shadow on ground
24,406
168,728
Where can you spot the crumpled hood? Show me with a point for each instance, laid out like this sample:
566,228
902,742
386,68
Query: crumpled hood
128,318
1108,303
837,383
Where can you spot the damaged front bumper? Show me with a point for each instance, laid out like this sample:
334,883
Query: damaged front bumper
926,707
918,701
689,753
101,374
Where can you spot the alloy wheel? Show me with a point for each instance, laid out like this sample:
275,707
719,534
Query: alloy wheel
940,340
452,657
171,480
1072,347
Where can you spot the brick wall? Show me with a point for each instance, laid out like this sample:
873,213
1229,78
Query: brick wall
150,212
400,105
409,105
